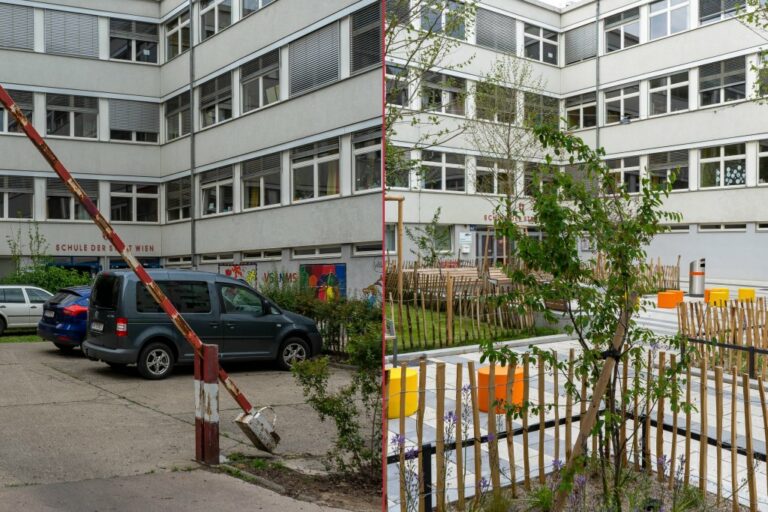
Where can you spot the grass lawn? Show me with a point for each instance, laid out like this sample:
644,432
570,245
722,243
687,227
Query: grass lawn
462,330
19,337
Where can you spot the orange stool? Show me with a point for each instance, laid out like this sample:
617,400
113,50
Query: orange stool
746,294
669,299
500,378
706,295
718,297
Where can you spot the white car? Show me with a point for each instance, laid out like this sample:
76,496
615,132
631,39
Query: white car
21,306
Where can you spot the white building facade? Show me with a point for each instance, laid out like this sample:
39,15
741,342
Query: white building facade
661,85
212,133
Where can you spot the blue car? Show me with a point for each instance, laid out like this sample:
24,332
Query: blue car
65,317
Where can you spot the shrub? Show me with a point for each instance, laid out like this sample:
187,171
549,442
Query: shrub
49,278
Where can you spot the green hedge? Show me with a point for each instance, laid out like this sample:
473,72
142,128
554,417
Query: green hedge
49,278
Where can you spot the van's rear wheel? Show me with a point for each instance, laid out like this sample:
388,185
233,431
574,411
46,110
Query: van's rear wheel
292,351
155,361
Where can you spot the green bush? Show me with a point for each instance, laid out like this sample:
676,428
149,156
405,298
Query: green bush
49,278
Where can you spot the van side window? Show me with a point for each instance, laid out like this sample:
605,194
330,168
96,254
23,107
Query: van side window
237,299
186,296
105,292
14,296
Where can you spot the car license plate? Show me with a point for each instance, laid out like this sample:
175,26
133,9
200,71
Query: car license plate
97,326
48,314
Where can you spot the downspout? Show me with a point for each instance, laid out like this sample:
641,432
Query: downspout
597,72
193,192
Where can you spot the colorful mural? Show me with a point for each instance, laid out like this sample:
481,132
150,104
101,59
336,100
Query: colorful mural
247,273
328,280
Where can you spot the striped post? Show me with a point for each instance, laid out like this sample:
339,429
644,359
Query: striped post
207,405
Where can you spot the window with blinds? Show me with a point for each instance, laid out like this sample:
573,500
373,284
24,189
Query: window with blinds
72,116
178,199
724,81
365,41
314,59
261,181
580,44
68,33
216,100
217,191
260,81
496,31
136,121
17,27
25,101
133,40
16,194
714,10
178,117
669,166
61,204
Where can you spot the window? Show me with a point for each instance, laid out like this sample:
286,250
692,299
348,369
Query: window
216,191
714,10
133,40
265,255
16,194
69,33
668,94
366,38
581,43
135,121
133,202
261,181
37,296
535,175
678,228
17,30
724,81
25,101
397,85
668,17
260,80
390,238
186,296
178,199
178,119
622,104
317,252
540,109
315,170
13,296
72,116
496,31
449,19
581,111
216,100
540,44
622,30
178,261
215,15
314,59
443,93
626,172
177,35
398,167
723,166
493,176
661,167
723,227
251,6
443,171
367,159
368,249
238,299
762,174
217,258
61,204
495,103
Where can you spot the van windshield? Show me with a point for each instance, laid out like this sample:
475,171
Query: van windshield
106,291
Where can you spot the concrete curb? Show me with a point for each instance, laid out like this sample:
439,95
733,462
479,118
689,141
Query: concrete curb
245,475
455,351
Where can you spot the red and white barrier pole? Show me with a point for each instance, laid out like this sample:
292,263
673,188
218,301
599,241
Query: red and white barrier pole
207,405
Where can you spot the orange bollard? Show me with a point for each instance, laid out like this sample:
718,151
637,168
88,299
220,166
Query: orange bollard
500,376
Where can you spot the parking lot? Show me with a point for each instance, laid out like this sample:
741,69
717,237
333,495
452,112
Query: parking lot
68,419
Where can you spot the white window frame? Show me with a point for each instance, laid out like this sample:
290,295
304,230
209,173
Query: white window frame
621,98
443,21
180,209
5,117
133,42
580,108
731,227
217,258
262,255
218,186
178,261
391,230
667,13
260,3
176,118
357,251
259,77
316,252
723,86
443,166
500,92
396,77
73,204
762,154
214,6
622,30
677,229
449,93
218,115
623,169
262,191
541,40
358,148
721,15
174,28
72,111
667,90
722,160
495,172
315,163
135,196
5,191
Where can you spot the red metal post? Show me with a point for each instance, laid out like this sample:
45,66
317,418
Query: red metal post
118,244
207,406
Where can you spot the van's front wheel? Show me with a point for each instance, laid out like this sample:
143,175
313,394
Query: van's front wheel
155,361
292,351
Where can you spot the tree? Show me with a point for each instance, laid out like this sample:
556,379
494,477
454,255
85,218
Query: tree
584,201
754,14
430,239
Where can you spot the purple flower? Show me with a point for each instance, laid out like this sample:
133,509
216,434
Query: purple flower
466,388
491,437
411,453
398,441
662,461
557,465
484,484
450,418
580,481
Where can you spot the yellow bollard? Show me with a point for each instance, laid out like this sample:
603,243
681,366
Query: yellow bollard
746,294
411,392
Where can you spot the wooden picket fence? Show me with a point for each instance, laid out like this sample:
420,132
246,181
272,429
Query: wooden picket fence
441,307
679,457
656,276
733,333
